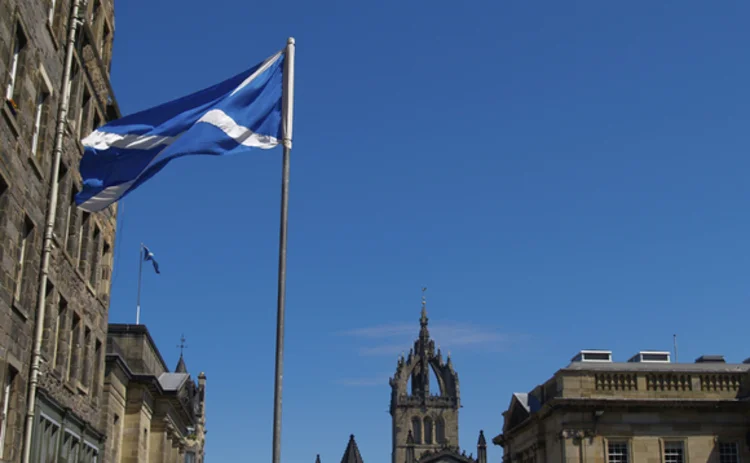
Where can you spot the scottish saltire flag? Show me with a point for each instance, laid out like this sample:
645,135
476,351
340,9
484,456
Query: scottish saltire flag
239,114
149,256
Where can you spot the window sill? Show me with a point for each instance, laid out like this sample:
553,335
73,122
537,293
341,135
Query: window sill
37,168
83,390
10,116
51,31
67,385
20,310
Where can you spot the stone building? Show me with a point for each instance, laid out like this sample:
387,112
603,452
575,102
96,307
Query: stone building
66,419
150,414
424,422
647,409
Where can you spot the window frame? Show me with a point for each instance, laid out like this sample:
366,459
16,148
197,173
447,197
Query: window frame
18,50
737,450
627,441
664,442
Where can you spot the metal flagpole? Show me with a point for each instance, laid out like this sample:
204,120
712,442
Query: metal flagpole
287,116
140,273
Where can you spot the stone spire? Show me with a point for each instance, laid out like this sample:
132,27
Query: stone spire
317,458
351,454
181,367
481,448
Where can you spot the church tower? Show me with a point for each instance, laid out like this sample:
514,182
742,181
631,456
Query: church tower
423,420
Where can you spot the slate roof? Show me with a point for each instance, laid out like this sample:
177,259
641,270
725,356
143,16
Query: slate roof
351,454
172,381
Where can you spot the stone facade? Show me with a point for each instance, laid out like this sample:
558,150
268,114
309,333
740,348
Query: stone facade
654,412
33,34
151,414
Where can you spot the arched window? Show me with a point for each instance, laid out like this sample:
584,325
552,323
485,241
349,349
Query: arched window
428,430
440,430
416,429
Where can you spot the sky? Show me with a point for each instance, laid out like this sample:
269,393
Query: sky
559,175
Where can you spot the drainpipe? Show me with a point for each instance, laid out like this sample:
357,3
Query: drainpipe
62,115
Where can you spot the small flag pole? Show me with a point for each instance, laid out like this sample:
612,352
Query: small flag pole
287,116
140,274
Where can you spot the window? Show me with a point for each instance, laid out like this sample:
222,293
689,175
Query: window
74,346
26,234
106,47
81,243
38,131
189,457
729,452
106,270
70,447
416,427
62,314
74,93
70,223
440,430
19,47
89,453
82,121
47,432
617,452
86,370
95,258
674,452
52,11
428,430
97,368
7,398
95,12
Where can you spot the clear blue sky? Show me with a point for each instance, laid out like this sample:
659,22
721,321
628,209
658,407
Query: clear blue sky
561,175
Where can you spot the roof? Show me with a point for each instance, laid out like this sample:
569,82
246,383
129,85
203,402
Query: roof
180,368
172,381
523,399
351,454
660,367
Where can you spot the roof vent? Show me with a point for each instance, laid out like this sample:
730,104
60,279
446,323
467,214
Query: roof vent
710,359
593,356
650,356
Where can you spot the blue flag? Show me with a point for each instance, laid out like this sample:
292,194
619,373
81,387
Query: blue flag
149,256
239,114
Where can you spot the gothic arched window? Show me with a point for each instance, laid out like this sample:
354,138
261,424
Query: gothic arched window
428,430
440,430
416,428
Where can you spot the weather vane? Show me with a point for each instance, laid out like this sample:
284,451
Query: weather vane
424,298
182,345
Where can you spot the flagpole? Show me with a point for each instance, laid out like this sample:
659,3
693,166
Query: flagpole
287,116
140,273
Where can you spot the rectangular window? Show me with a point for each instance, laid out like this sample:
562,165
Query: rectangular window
51,11
74,346
70,223
95,258
82,122
86,370
617,452
96,382
189,457
47,432
82,229
62,315
19,46
729,452
73,84
674,452
7,399
70,447
23,245
37,136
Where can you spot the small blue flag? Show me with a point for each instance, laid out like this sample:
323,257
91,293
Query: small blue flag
149,256
236,115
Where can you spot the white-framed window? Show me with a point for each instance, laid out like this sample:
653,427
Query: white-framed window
10,375
618,451
674,452
26,234
19,44
729,452
39,112
52,11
